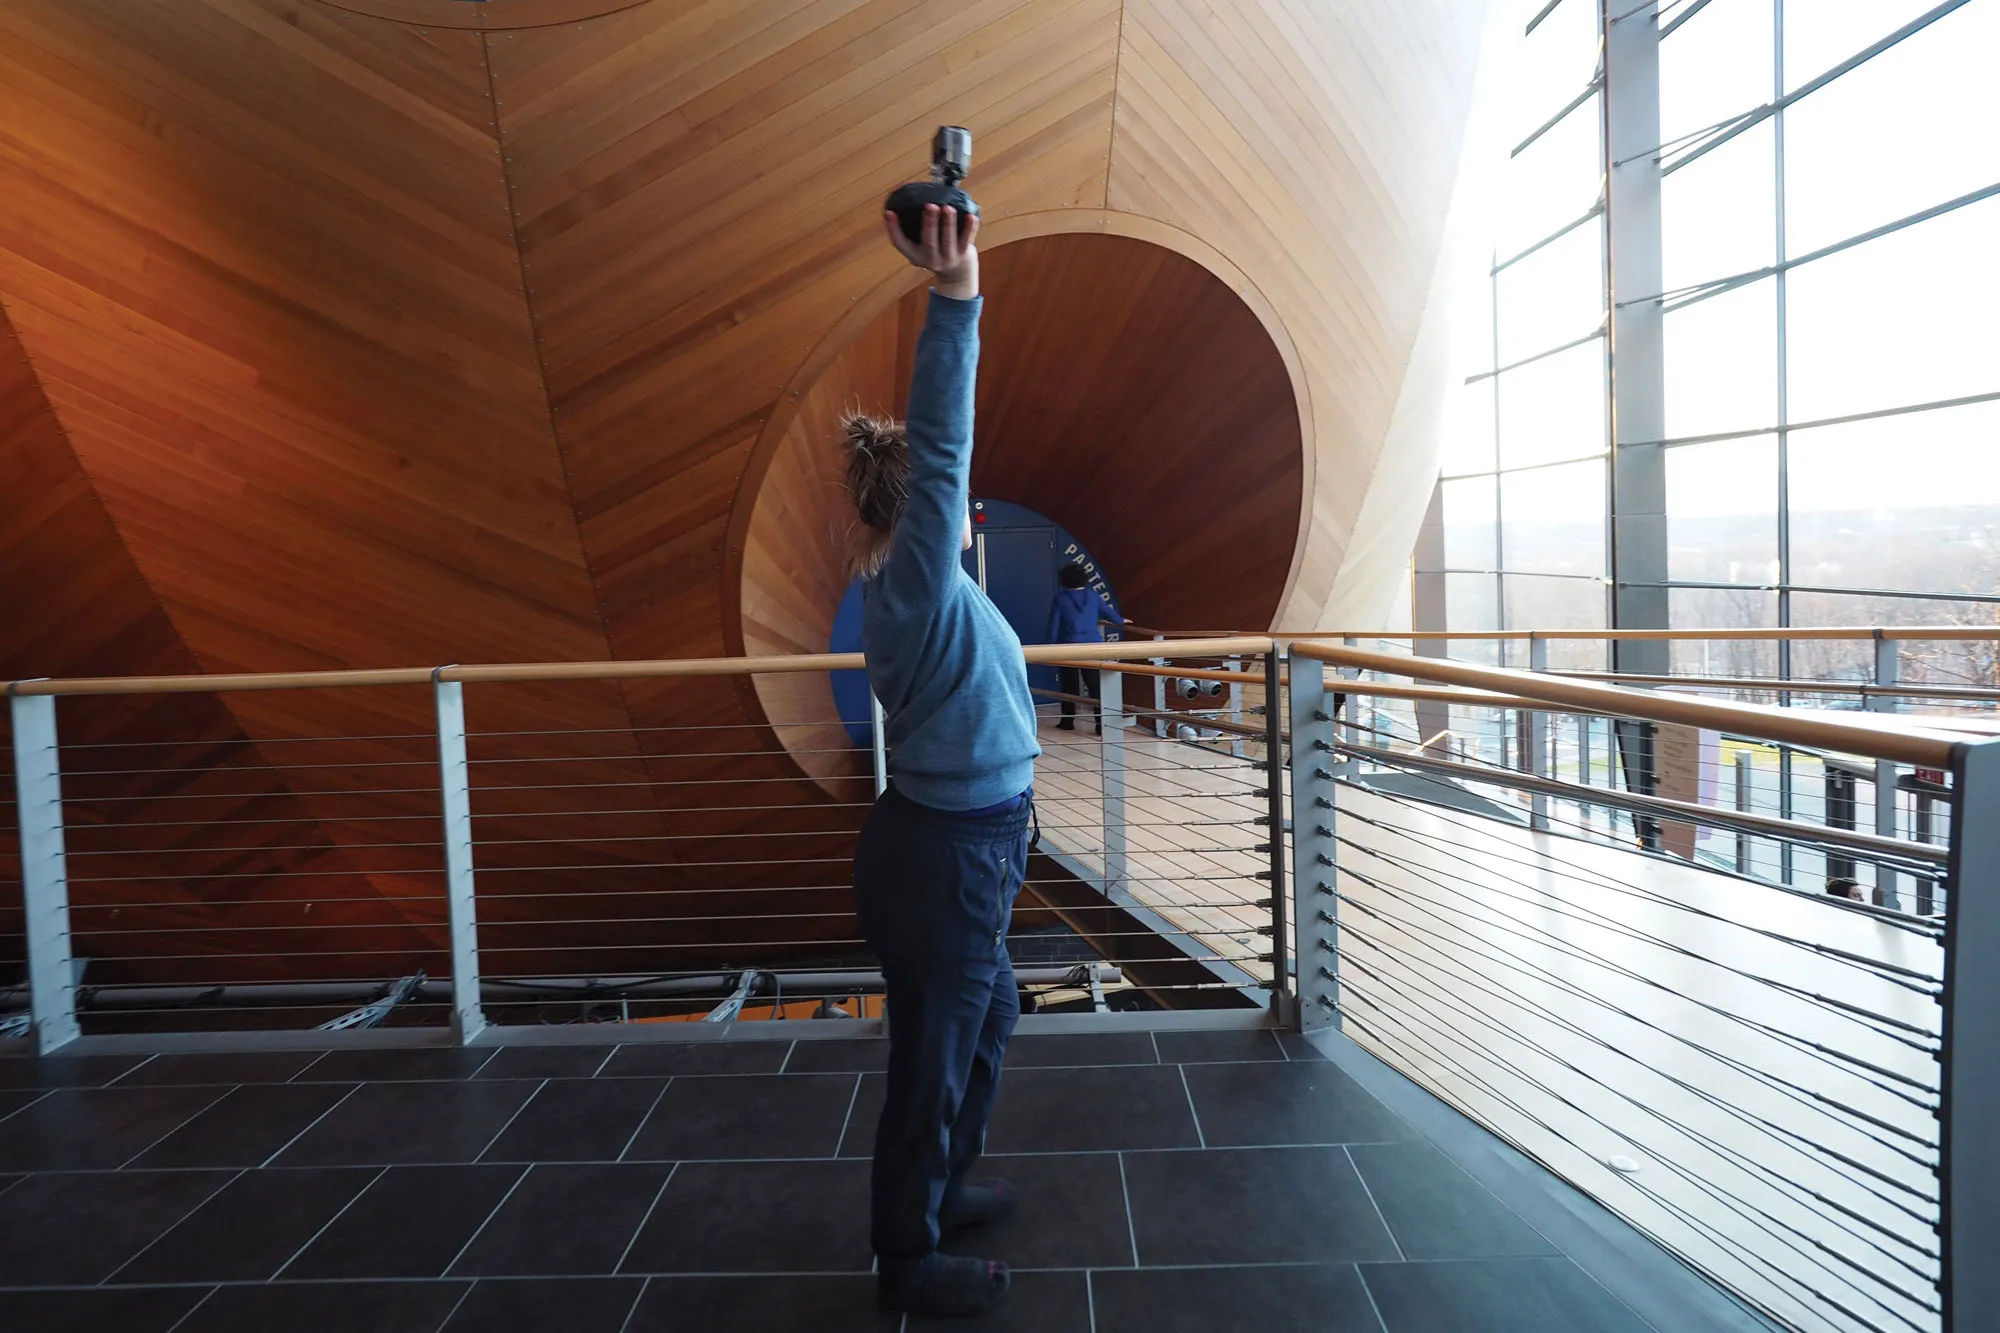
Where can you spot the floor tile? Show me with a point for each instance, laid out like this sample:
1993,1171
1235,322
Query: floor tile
762,1304
789,1115
1091,1110
839,1056
776,1217
577,1120
63,1230
1050,1049
64,1071
1495,1296
548,1305
564,1220
1072,1214
220,1067
1436,1211
1036,1303
1297,1047
1252,1205
859,1140
107,1310
411,1222
95,1128
411,1122
246,1232
423,1062
246,1126
1274,1104
13,1099
328,1307
1310,1298
702,1057
1195,1048
545,1062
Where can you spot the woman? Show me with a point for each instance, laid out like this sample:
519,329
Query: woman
945,848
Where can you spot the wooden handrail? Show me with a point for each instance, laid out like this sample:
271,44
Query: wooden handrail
1875,740
561,671
1792,634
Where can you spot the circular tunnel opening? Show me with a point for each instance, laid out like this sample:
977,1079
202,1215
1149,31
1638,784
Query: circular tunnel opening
1127,397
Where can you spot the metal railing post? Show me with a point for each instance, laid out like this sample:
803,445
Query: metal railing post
455,787
1313,849
1235,705
1535,739
1743,805
1888,669
878,742
1969,1158
44,871
1111,768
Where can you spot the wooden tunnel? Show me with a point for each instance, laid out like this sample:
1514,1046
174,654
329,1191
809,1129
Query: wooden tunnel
407,332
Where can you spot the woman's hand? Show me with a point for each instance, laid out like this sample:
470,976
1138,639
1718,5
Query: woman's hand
946,249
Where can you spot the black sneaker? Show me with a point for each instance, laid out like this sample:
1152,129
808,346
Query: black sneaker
944,1286
979,1203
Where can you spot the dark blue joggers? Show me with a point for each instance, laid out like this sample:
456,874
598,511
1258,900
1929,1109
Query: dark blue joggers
935,894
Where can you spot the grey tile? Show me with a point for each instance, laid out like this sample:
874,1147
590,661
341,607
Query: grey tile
1298,1047
63,1230
246,1126
859,1138
1496,1296
411,1122
95,1128
220,1067
421,1062
772,1115
697,1057
1271,1104
577,1120
775,1217
1309,1298
545,1062
762,1304
410,1222
12,1100
1099,1109
1054,1050
564,1220
64,1071
1252,1205
1197,1048
1436,1211
327,1307
546,1305
1072,1214
247,1231
1036,1303
853,1055
105,1310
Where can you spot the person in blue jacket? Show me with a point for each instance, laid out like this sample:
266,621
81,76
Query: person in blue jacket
944,849
1076,617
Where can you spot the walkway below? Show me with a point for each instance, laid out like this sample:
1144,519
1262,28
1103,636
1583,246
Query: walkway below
1173,1181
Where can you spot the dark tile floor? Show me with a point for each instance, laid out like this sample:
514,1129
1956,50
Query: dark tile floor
1185,1181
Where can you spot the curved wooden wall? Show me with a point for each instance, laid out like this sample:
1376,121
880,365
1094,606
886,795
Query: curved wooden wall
376,342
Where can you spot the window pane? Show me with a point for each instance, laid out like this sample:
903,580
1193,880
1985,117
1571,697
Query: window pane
1553,408
1550,65
1722,362
1722,512
1944,663
1717,213
1723,608
1539,602
1468,523
1912,127
1552,520
1819,34
1716,64
1554,181
1472,601
1467,429
1554,296
1901,320
1905,502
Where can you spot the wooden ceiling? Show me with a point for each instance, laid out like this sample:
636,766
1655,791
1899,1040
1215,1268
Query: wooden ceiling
363,340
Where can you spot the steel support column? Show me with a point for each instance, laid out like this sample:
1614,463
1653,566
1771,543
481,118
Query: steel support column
1111,775
468,1018
1313,848
1888,669
1969,1162
44,871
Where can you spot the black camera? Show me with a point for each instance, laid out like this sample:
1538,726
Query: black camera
951,159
